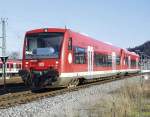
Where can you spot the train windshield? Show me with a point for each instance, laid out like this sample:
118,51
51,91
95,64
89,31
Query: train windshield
43,45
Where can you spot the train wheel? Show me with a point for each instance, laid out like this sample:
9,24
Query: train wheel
73,83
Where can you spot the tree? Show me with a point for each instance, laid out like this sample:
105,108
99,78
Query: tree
14,55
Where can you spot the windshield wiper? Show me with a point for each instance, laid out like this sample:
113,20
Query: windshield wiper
29,53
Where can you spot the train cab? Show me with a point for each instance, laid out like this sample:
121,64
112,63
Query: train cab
41,56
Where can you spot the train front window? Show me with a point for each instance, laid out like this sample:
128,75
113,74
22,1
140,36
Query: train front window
43,45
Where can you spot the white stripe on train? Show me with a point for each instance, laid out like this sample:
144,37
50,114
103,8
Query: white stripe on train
78,74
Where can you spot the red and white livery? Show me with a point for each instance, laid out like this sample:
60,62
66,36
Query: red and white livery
12,67
59,57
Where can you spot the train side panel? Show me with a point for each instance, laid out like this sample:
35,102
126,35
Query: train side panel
78,65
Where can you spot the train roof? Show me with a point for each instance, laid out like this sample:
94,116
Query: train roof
47,30
96,43
12,61
106,45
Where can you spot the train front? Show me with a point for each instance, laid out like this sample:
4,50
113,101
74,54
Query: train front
41,57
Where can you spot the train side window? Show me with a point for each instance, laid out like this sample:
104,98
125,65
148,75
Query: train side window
1,65
109,62
118,60
14,65
126,60
103,60
133,63
11,65
99,59
19,65
79,55
70,44
7,65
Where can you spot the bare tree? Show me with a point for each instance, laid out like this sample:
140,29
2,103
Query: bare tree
14,55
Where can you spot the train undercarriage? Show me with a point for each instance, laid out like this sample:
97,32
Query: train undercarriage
39,79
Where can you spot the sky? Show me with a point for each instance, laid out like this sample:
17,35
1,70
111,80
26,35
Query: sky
124,23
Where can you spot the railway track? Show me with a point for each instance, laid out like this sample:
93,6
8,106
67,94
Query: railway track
14,99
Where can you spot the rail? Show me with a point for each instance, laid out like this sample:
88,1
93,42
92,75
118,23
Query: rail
14,99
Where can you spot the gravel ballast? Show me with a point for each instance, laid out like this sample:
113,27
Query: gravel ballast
67,104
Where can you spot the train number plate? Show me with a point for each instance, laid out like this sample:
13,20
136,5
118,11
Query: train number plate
41,64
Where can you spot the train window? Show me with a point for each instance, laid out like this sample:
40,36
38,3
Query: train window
43,45
79,55
19,65
1,65
98,59
109,62
126,60
133,63
11,65
7,65
103,60
118,60
70,44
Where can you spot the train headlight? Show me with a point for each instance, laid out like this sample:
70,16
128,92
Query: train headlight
46,30
57,62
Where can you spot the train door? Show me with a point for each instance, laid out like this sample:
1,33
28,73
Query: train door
14,67
113,61
129,61
122,59
90,56
137,63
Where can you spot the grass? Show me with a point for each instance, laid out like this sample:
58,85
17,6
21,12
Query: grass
127,101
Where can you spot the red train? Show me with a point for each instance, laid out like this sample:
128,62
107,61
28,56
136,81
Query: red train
12,67
62,57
